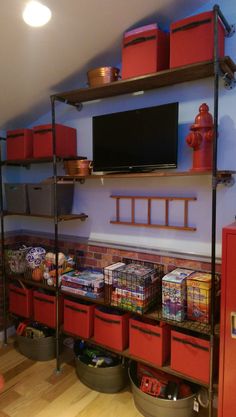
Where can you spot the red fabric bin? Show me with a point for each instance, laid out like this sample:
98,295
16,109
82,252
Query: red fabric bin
145,50
66,142
78,318
45,309
21,301
19,144
111,329
149,341
192,40
190,356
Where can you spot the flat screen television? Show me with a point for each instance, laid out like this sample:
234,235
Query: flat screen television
136,140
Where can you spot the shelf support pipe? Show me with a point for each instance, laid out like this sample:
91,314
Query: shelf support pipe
4,287
55,231
216,11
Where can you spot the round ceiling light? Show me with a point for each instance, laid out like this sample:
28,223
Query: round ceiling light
36,14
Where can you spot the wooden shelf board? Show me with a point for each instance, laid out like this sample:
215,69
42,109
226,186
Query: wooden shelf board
154,174
148,82
154,226
99,301
29,161
61,218
125,353
33,283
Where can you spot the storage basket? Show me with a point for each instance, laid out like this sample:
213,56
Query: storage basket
42,349
41,199
151,406
111,379
16,260
17,198
102,75
136,286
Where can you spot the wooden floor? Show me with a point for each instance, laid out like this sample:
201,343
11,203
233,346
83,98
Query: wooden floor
33,389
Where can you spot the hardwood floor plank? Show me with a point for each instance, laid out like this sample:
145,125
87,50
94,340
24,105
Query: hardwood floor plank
66,369
18,369
71,402
35,381
2,414
111,405
33,389
8,397
58,389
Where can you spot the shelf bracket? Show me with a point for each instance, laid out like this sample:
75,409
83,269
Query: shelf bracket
229,83
231,32
225,179
78,106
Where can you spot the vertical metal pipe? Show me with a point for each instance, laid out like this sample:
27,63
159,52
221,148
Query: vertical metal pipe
4,283
214,196
55,232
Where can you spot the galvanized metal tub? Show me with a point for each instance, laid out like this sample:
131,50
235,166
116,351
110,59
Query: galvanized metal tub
42,349
111,379
152,406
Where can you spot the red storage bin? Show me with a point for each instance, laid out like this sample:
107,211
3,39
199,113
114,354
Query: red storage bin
190,356
21,301
145,50
192,40
149,341
19,144
111,329
45,308
79,318
66,142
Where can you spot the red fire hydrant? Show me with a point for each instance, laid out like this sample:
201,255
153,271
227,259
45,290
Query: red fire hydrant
200,139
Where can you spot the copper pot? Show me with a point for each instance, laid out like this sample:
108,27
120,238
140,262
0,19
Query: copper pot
81,167
102,75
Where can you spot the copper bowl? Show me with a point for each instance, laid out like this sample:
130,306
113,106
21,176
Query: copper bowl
80,167
102,75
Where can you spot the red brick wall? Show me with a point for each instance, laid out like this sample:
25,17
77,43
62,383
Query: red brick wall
100,256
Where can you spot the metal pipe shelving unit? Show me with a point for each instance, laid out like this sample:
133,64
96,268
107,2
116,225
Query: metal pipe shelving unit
75,98
164,78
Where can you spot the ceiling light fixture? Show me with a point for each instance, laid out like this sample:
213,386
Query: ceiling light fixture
36,14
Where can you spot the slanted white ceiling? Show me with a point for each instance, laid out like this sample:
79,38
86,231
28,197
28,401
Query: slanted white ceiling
83,34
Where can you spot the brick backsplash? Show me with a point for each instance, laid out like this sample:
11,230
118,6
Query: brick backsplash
100,256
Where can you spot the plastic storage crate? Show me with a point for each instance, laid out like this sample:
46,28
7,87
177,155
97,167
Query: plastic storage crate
45,309
20,301
192,39
111,328
190,356
149,341
66,142
41,199
17,198
79,318
145,50
19,144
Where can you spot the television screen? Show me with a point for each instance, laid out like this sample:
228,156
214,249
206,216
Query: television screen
136,140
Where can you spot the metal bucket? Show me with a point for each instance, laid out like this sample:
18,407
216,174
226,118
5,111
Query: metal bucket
152,406
102,75
42,349
111,379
